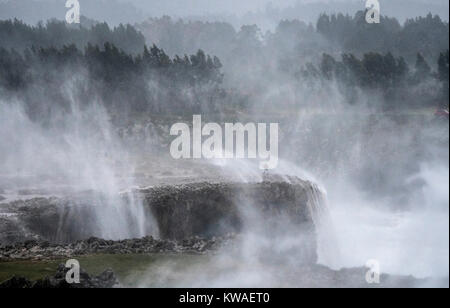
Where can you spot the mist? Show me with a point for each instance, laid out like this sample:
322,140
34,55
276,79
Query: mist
73,154
86,111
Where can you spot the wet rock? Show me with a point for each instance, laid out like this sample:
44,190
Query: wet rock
42,250
11,232
51,219
16,283
214,209
205,210
29,244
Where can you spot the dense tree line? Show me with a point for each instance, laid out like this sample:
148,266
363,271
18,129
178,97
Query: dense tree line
18,35
151,81
401,85
428,35
115,65
249,53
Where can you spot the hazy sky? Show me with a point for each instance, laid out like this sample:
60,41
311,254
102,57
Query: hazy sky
183,7
194,7
265,13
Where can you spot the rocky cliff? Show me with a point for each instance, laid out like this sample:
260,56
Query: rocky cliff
276,207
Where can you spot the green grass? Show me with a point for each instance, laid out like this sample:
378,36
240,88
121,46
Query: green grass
130,269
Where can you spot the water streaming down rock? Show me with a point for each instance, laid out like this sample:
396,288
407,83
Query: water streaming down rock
63,220
121,216
327,243
280,210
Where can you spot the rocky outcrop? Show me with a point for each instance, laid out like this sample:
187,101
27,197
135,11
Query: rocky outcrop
38,250
107,279
47,219
276,207
204,209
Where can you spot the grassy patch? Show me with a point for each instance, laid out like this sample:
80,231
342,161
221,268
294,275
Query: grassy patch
130,269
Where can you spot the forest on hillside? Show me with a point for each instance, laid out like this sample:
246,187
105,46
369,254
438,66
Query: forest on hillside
176,67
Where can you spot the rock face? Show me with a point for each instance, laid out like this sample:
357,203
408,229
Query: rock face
49,219
207,210
276,207
107,279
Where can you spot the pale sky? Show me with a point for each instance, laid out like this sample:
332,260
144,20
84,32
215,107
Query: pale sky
235,11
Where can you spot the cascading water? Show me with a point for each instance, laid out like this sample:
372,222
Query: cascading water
80,157
327,242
